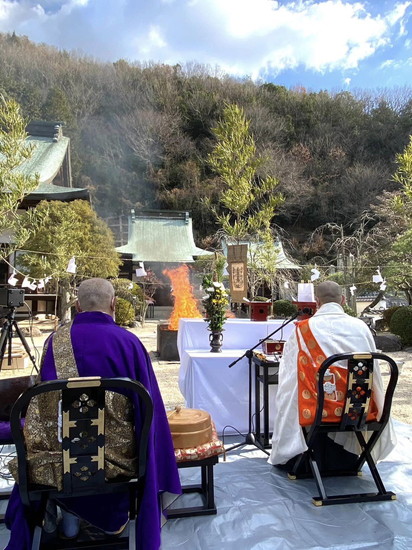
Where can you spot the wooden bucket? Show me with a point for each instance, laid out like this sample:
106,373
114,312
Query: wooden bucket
190,427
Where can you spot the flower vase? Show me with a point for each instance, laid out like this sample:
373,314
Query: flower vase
216,340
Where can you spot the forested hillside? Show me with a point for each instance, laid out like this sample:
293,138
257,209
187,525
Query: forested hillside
141,134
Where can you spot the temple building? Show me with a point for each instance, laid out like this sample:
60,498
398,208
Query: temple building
51,161
158,239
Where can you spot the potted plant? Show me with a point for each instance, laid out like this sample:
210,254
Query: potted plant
215,303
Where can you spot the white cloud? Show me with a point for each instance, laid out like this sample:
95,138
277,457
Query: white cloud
396,64
242,36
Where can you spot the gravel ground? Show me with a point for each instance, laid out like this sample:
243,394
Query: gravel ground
167,372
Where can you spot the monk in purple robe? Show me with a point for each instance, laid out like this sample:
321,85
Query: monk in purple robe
93,345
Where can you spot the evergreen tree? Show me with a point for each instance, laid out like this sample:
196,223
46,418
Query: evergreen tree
14,183
70,230
248,201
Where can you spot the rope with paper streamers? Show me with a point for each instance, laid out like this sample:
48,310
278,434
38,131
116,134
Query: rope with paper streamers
30,282
376,278
72,268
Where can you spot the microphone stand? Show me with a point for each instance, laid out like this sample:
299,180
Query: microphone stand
250,438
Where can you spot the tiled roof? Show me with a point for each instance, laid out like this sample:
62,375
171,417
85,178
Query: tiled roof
50,148
161,236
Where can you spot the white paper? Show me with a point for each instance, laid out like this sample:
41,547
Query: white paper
140,271
377,278
12,280
315,274
306,292
71,266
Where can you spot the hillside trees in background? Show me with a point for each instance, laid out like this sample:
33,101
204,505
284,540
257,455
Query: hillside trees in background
141,134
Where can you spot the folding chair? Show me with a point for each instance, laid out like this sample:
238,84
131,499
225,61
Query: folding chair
357,403
10,389
83,450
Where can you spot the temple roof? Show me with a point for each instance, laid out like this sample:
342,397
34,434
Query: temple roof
47,158
50,151
282,261
161,236
48,191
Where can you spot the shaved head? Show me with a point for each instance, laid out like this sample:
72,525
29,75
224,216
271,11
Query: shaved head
96,295
328,291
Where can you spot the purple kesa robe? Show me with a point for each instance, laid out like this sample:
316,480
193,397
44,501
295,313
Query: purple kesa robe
101,348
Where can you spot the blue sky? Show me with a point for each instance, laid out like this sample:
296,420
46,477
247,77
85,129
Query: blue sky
318,44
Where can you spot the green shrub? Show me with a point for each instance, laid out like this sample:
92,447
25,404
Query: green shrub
401,324
284,308
125,312
349,311
387,314
129,291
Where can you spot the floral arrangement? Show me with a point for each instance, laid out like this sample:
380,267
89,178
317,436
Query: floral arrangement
215,303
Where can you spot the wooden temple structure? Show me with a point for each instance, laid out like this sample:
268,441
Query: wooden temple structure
51,161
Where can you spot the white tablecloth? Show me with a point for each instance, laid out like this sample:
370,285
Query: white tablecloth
237,333
205,379
208,384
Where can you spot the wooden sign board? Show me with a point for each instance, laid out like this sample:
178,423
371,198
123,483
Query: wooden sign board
237,260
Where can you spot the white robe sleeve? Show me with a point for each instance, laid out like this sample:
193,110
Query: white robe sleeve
287,439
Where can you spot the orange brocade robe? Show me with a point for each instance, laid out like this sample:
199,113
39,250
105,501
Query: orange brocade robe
335,381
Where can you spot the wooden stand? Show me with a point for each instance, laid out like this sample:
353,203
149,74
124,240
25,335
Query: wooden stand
262,376
206,490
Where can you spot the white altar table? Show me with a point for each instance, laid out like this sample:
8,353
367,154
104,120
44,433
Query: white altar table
205,379
237,333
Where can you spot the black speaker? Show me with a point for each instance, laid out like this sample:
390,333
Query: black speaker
11,297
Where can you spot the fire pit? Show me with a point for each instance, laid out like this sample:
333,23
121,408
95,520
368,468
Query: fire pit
167,343
184,306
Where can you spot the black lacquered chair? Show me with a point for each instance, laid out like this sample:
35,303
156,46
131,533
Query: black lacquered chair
83,451
10,389
354,419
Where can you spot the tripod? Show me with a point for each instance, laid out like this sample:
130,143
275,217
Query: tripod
6,336
250,438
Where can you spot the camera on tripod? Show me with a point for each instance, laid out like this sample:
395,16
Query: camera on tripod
11,297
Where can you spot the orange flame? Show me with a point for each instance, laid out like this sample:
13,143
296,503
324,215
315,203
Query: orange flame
185,303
